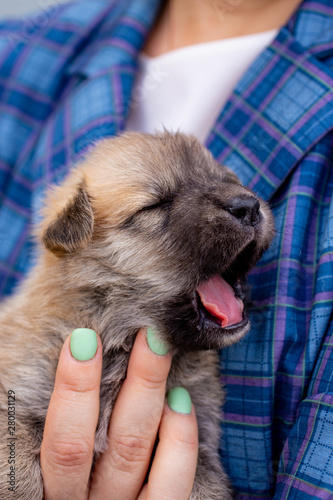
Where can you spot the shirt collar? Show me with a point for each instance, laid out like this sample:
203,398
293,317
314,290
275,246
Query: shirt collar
261,132
282,106
118,33
304,23
114,39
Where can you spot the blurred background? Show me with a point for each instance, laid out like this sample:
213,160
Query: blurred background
10,8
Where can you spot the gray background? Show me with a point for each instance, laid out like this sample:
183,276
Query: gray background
10,8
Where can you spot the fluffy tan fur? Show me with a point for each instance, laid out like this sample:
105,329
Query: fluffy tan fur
123,244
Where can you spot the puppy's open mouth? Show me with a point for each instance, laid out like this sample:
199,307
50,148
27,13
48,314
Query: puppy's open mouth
220,305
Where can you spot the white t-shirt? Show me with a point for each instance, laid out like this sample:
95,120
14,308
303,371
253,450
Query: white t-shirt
186,88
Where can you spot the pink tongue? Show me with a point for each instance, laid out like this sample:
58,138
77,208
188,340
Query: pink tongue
219,299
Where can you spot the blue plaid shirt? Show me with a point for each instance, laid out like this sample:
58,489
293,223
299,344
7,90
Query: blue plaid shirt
65,80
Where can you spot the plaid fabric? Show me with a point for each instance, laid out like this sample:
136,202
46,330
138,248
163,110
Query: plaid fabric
66,80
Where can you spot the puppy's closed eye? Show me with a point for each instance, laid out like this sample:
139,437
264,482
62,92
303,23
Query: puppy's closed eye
161,205
165,203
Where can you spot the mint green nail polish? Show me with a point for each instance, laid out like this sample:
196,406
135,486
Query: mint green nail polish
179,400
83,344
157,345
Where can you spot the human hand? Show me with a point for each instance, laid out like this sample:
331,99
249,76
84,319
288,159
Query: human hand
139,414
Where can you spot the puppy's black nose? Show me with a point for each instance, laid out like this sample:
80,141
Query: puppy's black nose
246,209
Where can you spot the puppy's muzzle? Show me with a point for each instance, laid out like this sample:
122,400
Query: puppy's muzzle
246,209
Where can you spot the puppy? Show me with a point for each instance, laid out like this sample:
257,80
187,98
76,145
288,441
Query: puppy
147,231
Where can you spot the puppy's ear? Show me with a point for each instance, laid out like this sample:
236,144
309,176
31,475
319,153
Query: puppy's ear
73,226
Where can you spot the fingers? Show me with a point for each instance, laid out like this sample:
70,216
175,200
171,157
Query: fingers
67,448
120,472
174,466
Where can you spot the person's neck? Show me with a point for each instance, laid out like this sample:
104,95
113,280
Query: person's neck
187,22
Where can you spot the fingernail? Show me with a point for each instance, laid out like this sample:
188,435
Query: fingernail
156,344
83,344
179,400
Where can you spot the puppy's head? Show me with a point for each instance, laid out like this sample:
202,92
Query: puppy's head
156,233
